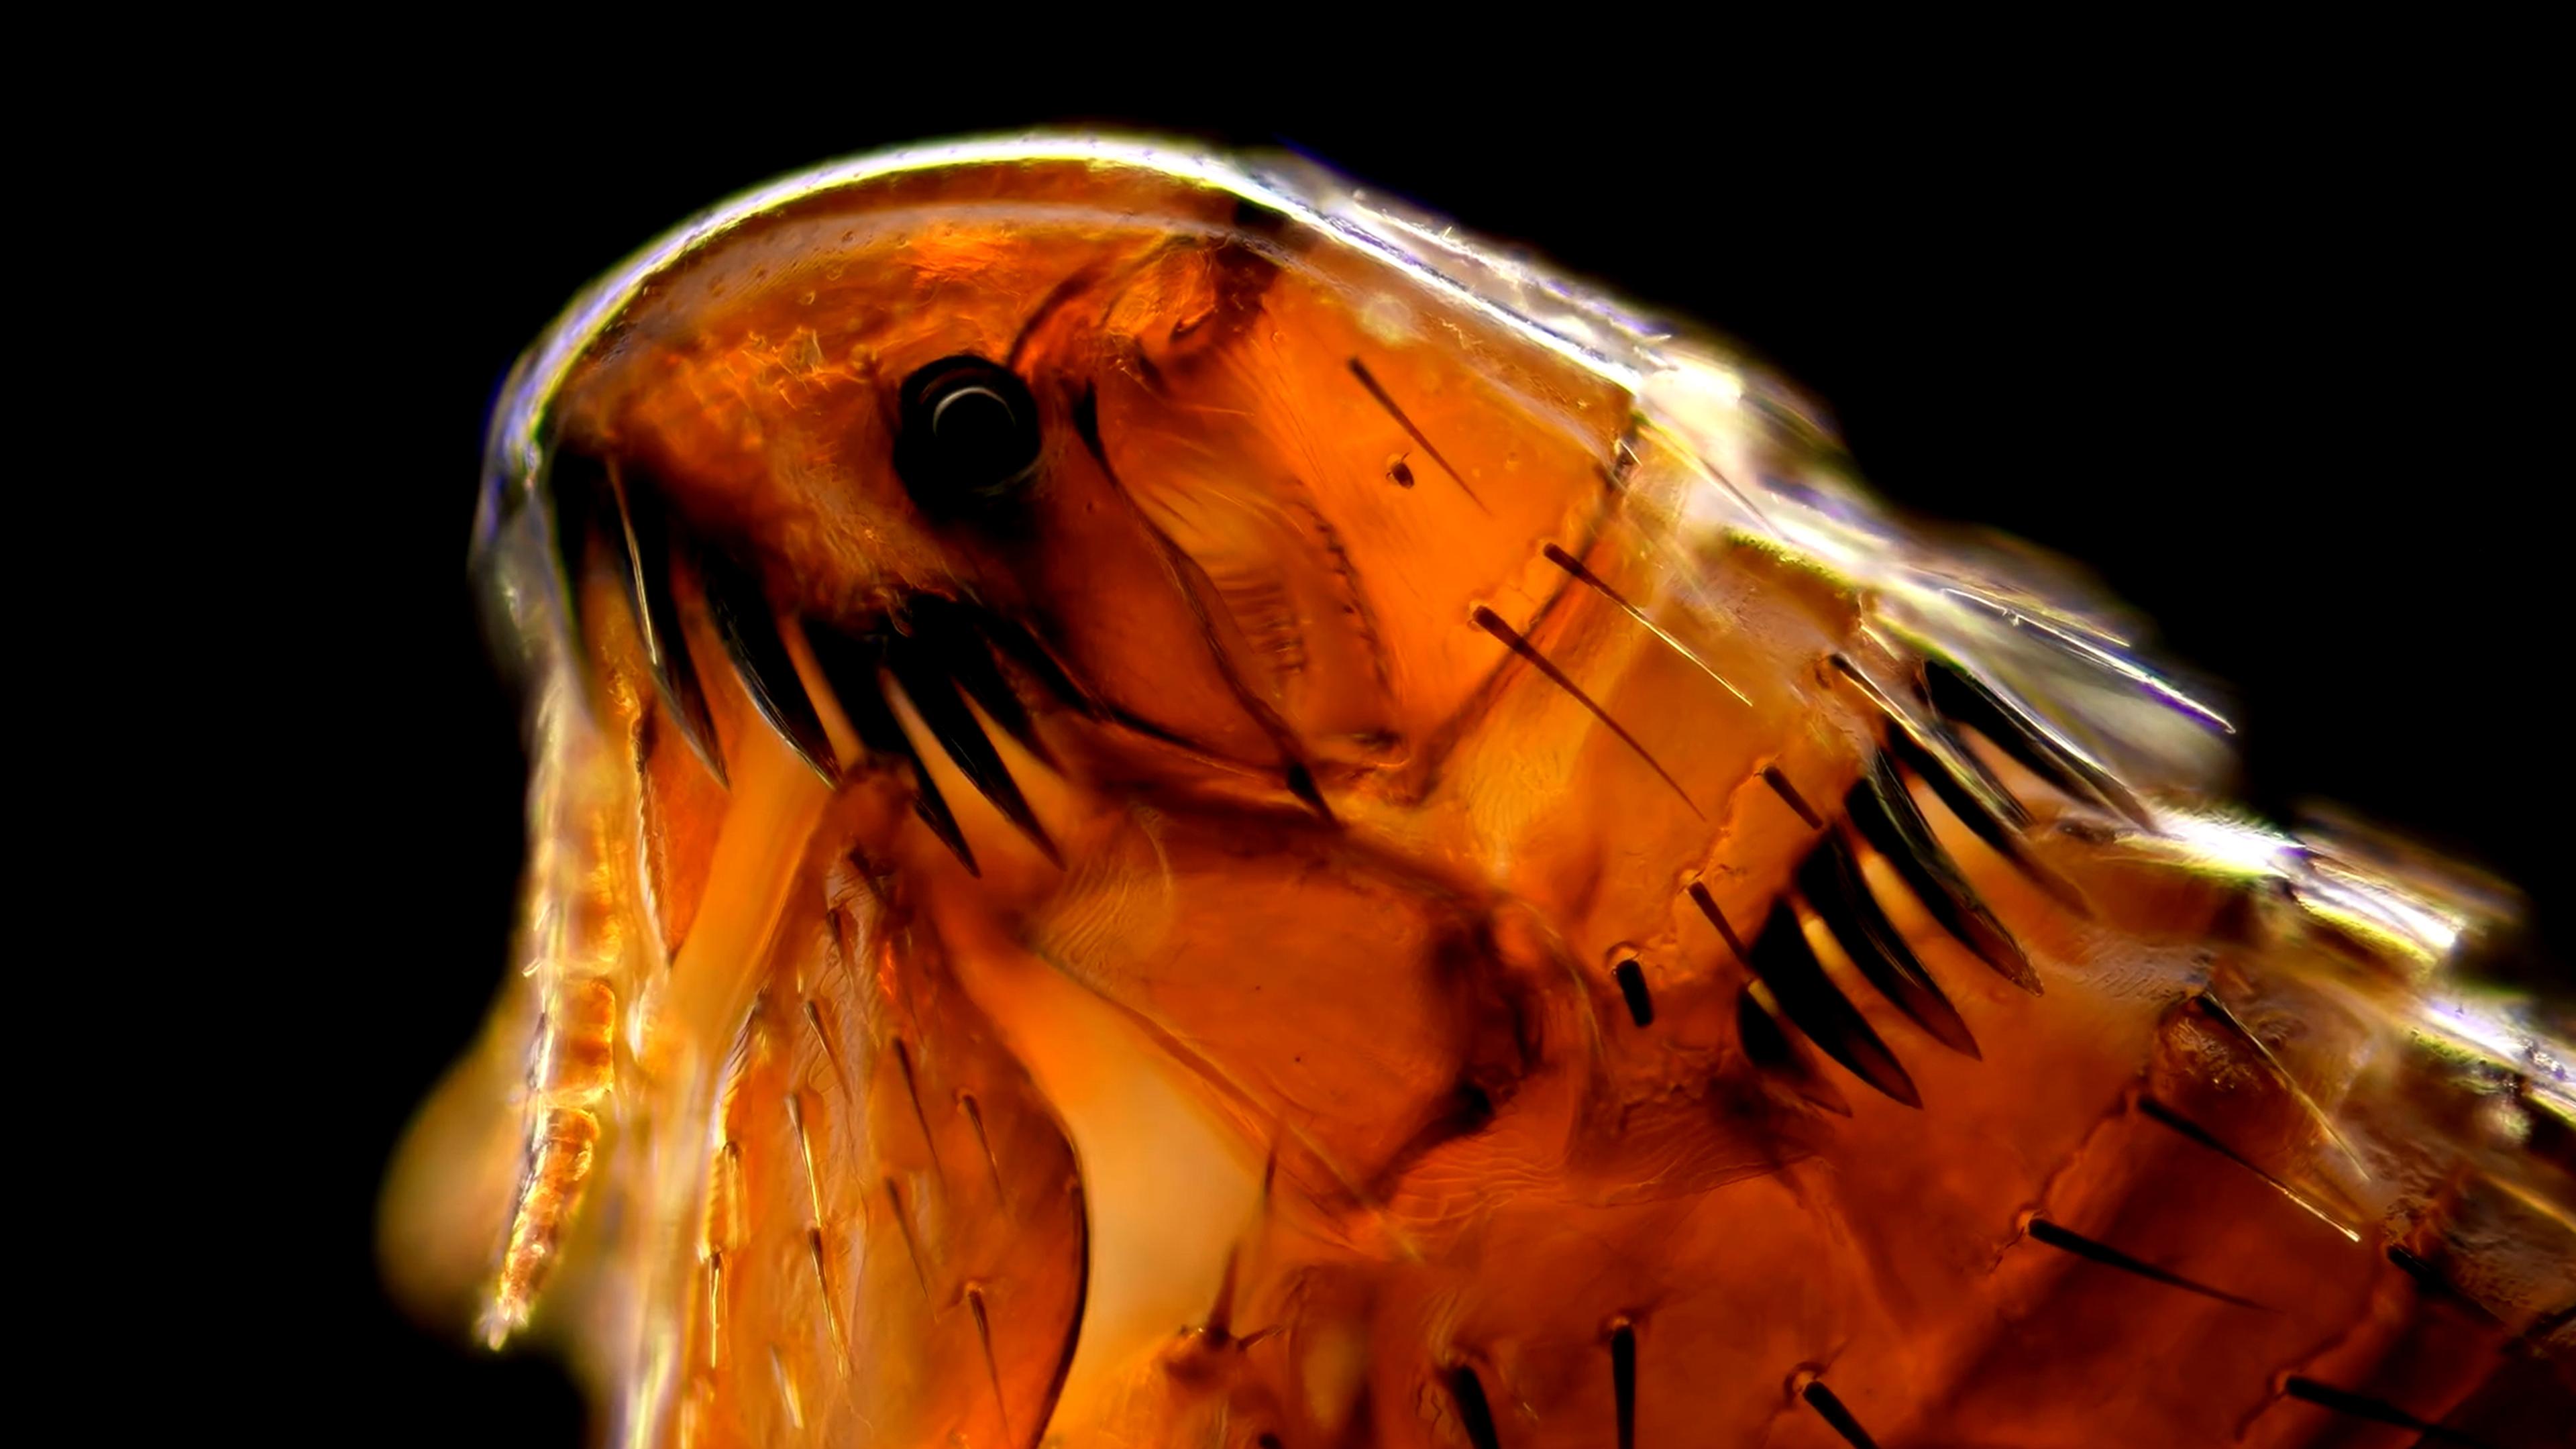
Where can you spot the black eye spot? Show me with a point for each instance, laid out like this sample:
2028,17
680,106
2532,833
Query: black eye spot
968,436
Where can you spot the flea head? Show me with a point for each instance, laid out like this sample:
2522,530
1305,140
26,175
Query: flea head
1173,449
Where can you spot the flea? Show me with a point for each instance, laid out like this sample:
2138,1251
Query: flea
1173,804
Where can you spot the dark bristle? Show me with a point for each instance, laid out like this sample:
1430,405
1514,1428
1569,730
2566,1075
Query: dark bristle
1632,985
2158,1112
1586,576
920,1115
749,628
822,1032
1788,793
1301,783
925,681
2216,1010
1968,700
992,1365
1377,391
1971,793
1023,649
932,807
2068,1241
849,667
2377,1411
2426,1280
652,554
1475,1415
820,1261
1623,1382
1698,892
948,633
1831,883
1884,813
1976,810
1492,623
911,1244
1830,1409
1601,586
580,511
2433,1284
974,1111
1782,958
1769,1048
1925,733
1219,1327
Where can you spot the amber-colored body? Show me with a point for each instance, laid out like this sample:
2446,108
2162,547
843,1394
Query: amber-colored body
1400,1011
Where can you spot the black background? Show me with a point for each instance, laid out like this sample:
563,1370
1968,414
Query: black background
2256,347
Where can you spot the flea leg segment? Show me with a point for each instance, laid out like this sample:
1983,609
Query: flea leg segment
579,943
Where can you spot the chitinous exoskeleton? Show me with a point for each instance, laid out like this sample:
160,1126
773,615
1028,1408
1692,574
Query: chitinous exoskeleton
1173,805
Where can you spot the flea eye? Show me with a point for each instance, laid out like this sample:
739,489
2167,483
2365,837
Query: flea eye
969,434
